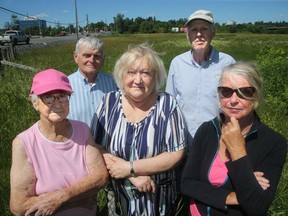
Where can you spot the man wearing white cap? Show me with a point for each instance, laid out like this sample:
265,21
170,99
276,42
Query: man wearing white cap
193,75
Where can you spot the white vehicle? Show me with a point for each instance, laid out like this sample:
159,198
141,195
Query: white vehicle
14,37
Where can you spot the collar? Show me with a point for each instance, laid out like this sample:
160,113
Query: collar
207,60
218,121
85,80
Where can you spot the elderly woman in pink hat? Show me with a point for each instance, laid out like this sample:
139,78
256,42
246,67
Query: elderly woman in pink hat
56,166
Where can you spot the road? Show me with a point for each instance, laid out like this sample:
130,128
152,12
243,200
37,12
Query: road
63,38
38,40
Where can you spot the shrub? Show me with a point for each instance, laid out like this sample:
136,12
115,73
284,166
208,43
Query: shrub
273,63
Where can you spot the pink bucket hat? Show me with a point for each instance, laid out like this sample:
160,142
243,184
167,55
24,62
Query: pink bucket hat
50,80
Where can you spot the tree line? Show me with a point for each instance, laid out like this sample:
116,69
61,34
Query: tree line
123,25
152,25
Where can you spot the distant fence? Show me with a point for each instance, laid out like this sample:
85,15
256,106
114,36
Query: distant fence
7,55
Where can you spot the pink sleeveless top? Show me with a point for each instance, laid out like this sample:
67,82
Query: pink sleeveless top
57,165
217,176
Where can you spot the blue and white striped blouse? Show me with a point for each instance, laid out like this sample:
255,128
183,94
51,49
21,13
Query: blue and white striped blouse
162,130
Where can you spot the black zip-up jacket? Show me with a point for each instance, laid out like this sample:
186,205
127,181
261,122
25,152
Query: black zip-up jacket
266,152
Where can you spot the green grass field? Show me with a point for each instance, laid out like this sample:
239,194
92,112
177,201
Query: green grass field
17,114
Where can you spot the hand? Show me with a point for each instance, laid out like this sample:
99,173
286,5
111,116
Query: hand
143,183
231,199
264,183
46,204
118,168
233,139
108,161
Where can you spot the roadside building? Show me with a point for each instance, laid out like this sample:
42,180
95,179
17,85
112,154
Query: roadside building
31,23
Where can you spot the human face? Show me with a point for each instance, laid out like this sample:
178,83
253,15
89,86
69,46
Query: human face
54,111
236,106
200,34
139,81
89,60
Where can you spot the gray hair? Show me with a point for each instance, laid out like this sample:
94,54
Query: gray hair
90,42
34,98
134,53
248,71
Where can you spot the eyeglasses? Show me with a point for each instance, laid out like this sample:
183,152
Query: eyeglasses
244,92
49,99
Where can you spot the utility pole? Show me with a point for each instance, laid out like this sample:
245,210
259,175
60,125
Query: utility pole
105,27
39,23
87,24
76,15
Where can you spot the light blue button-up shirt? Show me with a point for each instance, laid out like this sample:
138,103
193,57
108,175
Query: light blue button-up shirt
86,98
195,86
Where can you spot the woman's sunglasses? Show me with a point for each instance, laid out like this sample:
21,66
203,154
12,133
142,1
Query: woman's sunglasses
244,92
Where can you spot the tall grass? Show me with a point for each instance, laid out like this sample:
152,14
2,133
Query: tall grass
17,114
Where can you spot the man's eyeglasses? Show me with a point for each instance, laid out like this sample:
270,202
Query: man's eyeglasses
244,92
49,99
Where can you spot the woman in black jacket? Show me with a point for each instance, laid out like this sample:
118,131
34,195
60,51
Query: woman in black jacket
235,161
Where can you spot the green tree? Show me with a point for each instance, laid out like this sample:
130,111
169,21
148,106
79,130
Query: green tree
96,27
119,23
273,65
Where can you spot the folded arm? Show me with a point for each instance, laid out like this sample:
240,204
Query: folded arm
23,198
120,168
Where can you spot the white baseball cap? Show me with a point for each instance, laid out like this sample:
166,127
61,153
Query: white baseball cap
201,14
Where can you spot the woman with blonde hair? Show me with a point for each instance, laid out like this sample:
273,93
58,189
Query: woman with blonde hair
143,134
235,160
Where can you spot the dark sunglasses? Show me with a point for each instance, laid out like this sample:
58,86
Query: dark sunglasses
244,92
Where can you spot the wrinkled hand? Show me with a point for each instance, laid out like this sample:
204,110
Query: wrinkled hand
143,183
108,161
46,204
264,183
118,168
233,139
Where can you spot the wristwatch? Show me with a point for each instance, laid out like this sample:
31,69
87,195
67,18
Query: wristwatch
132,173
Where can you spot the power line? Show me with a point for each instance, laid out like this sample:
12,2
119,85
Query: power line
55,23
